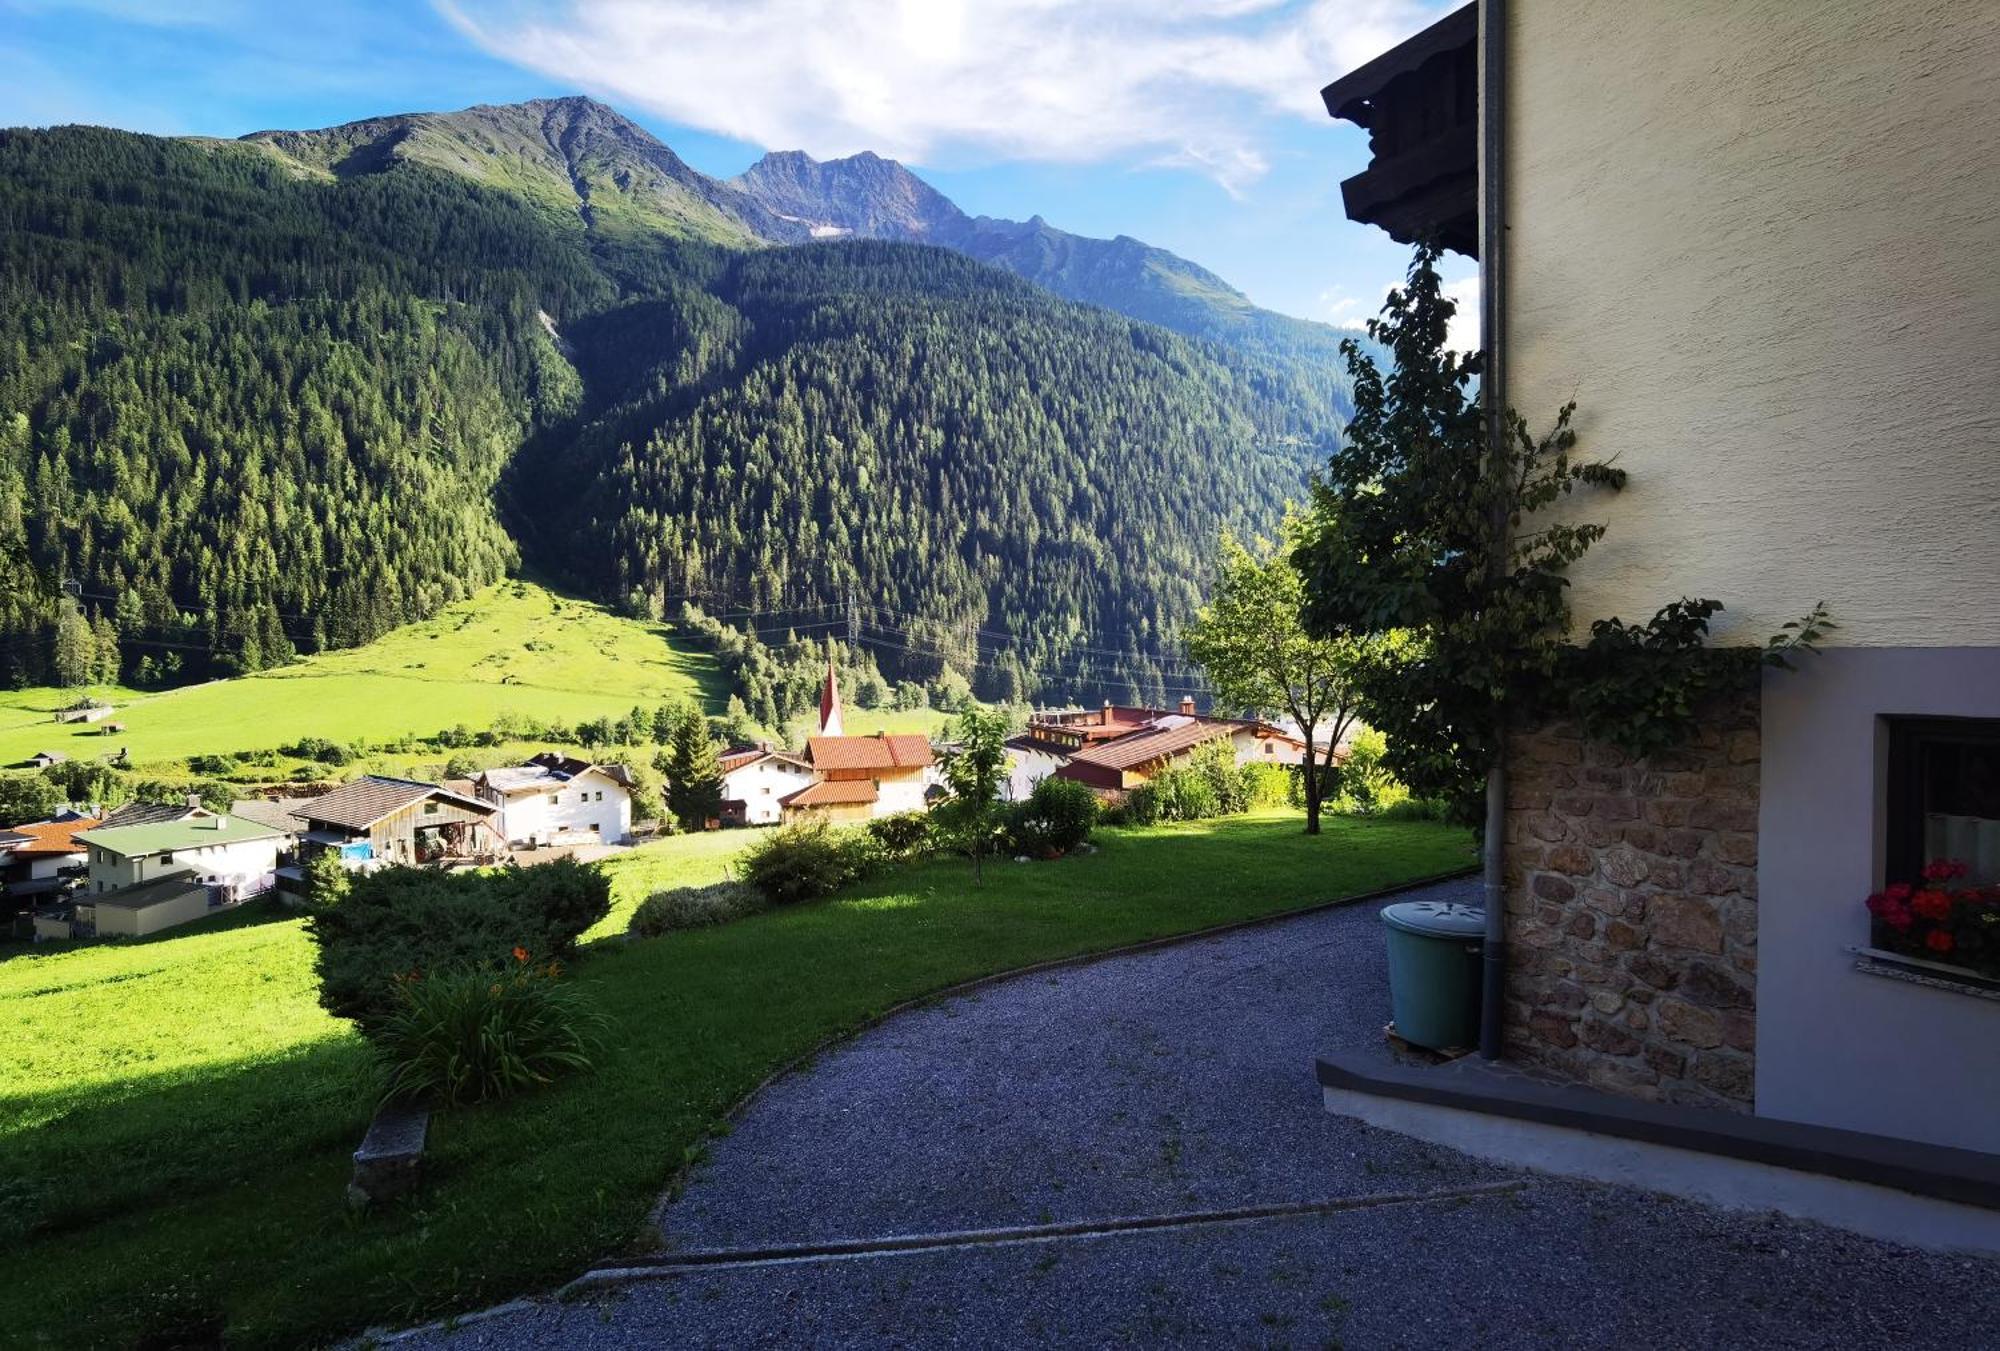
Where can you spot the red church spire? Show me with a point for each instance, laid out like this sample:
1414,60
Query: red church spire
829,704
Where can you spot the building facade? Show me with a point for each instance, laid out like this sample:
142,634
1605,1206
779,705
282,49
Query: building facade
1755,244
756,783
566,802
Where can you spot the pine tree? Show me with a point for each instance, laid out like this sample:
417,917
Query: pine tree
75,649
105,659
694,774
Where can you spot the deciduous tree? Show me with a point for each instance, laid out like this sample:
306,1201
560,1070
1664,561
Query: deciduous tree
1251,640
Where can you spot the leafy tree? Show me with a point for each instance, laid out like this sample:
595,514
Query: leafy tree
1406,536
950,690
693,772
1253,644
1426,526
974,769
27,797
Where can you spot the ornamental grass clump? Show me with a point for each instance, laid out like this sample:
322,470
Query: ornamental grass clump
458,1037
1941,918
677,908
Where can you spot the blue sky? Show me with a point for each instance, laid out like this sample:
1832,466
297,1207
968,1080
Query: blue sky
1191,124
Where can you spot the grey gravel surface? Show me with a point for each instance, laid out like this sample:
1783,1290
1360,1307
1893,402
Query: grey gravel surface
1180,1080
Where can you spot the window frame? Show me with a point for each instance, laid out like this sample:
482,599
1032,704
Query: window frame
1903,789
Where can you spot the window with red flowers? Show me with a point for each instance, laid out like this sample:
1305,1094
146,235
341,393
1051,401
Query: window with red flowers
1941,895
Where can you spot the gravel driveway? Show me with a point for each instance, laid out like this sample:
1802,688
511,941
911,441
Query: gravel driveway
1134,1152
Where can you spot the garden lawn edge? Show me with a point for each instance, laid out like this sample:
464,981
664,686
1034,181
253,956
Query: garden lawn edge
735,1111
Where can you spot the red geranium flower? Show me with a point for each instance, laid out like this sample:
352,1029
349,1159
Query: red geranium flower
1931,904
1937,940
1899,891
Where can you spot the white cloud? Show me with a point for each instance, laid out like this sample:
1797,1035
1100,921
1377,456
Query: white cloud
1163,81
1345,310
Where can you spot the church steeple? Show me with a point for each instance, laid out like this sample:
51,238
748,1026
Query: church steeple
829,704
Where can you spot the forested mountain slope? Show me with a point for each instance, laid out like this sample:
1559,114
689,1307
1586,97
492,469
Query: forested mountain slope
247,412
286,394
954,448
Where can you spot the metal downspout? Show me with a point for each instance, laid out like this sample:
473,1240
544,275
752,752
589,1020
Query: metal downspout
1492,256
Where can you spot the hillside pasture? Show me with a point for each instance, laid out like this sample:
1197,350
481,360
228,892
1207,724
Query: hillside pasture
515,649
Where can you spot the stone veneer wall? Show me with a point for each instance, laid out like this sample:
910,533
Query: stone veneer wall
1632,910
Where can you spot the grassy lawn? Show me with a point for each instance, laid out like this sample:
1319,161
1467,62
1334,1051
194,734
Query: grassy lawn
175,1144
514,648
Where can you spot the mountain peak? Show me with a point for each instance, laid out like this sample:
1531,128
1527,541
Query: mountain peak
861,194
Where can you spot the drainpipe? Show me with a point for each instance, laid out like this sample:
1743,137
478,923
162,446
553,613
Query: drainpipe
1492,256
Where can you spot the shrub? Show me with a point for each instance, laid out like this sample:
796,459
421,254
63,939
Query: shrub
1056,817
319,749
1365,784
1417,809
903,835
465,1036
399,921
694,908
1142,805
1215,766
1269,785
807,860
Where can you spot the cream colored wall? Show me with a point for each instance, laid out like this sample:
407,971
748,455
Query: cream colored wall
1759,243
117,921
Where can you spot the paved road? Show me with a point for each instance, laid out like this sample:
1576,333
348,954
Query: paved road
1067,1158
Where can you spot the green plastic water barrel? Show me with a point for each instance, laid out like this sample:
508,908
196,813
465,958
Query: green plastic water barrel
1435,949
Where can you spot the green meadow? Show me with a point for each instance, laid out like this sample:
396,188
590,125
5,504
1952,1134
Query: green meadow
515,648
177,1119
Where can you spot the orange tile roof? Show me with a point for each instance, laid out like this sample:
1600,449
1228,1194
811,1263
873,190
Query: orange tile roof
831,792
905,750
49,837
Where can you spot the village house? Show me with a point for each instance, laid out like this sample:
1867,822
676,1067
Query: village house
1755,244
42,857
146,878
756,781
1120,746
856,778
558,800
375,820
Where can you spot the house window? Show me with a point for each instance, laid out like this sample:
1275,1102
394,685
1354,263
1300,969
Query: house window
430,809
167,857
1944,796
555,799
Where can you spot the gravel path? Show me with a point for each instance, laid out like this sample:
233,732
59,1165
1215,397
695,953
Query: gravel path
1179,1082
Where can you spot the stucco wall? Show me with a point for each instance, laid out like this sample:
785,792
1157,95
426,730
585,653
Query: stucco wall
1757,244
531,816
761,786
1835,1046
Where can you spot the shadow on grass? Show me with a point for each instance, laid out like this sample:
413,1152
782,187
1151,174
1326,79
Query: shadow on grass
126,1146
